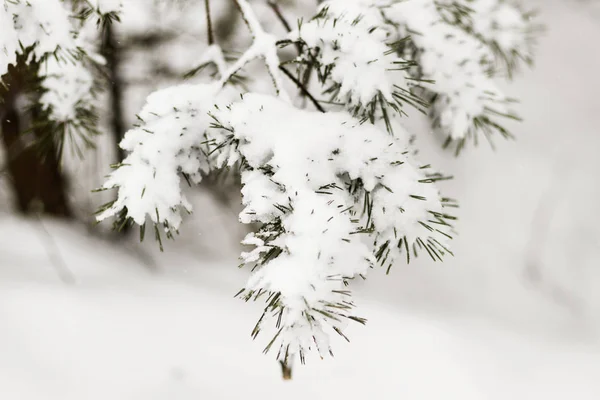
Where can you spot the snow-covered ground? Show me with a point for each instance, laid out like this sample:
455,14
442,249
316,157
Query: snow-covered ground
124,331
515,315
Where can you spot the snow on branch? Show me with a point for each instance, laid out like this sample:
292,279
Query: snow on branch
334,197
264,46
170,142
357,66
213,55
457,64
456,46
504,27
61,48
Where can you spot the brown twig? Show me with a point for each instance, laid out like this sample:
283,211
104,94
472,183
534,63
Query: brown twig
286,370
302,88
275,7
209,27
279,14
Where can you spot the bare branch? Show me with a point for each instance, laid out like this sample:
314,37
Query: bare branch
209,27
302,88
275,7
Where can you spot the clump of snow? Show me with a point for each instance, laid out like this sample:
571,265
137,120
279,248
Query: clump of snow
43,23
69,85
457,46
502,25
361,71
300,168
60,43
169,140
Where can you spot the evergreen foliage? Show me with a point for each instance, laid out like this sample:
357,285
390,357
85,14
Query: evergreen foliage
334,186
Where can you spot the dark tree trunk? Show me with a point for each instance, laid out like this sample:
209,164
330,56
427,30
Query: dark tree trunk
36,179
111,52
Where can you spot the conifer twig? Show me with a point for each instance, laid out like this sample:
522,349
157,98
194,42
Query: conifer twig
275,7
286,370
279,14
302,88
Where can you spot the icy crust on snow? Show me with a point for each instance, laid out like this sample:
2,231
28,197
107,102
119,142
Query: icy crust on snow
300,166
169,140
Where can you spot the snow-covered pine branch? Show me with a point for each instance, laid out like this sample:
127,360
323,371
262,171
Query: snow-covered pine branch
501,24
61,46
334,195
459,47
170,142
356,65
333,192
179,116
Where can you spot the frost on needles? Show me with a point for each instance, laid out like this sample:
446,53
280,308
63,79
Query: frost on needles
333,187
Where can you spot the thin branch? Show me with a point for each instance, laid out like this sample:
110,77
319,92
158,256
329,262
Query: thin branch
286,370
275,7
302,88
279,14
264,46
249,17
112,54
213,55
241,62
209,27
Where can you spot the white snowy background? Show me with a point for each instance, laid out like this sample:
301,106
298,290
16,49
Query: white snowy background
515,315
